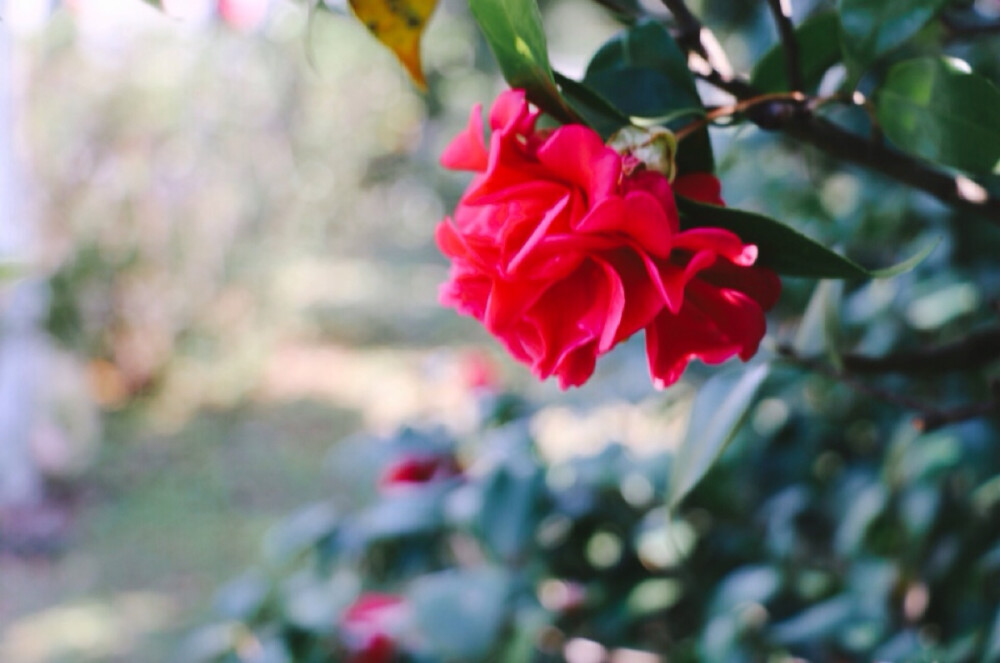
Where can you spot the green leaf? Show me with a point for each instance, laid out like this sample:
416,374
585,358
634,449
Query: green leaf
509,512
644,73
460,612
938,109
718,410
596,111
784,249
819,330
819,49
871,28
991,653
513,29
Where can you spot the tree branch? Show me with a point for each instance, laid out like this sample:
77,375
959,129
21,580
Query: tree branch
786,31
977,349
797,121
957,191
698,39
929,416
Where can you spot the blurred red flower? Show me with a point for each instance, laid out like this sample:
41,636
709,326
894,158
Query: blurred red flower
562,253
368,627
413,470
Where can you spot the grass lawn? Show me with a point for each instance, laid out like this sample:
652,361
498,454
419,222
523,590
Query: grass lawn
171,517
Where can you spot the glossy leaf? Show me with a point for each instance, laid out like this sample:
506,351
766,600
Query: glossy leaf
819,49
399,25
644,73
596,111
871,28
784,249
719,408
513,29
938,109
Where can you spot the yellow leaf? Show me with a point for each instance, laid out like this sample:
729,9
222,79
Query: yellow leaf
399,25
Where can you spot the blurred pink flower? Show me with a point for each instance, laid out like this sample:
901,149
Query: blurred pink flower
244,15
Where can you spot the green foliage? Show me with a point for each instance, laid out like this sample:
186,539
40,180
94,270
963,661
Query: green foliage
856,556
940,110
513,29
819,49
716,416
872,28
644,73
784,249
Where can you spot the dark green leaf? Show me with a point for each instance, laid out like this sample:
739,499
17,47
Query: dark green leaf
784,249
460,612
819,49
815,623
508,516
513,29
694,154
718,410
597,111
640,91
648,45
297,534
644,73
938,109
871,28
819,330
991,654
401,516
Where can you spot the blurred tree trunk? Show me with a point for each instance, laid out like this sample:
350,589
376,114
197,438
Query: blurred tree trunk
21,306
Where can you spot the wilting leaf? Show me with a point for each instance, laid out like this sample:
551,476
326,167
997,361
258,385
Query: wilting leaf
398,24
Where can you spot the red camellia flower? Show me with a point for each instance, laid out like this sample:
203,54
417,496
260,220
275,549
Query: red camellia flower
412,470
367,627
562,251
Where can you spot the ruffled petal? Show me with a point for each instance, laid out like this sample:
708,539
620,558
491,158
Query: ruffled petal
511,114
637,216
578,156
703,187
657,185
467,151
719,241
713,325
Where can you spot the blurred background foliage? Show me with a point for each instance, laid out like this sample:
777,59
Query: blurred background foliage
235,224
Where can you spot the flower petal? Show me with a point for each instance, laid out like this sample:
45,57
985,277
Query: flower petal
467,151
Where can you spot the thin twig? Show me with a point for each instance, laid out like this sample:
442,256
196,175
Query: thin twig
687,23
698,39
741,107
929,416
786,31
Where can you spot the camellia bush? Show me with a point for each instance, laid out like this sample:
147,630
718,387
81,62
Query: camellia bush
836,495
